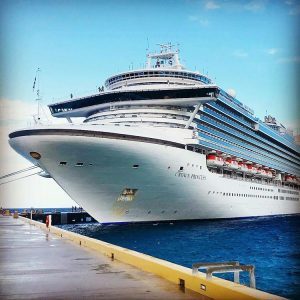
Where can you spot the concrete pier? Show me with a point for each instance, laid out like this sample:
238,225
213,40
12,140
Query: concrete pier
39,265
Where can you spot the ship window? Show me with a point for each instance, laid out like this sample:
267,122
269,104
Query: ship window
135,166
181,168
149,212
79,164
62,163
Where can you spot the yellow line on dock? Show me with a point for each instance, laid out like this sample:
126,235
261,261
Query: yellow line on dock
215,288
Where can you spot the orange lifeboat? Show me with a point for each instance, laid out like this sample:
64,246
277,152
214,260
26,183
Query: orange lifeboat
269,173
242,166
214,160
250,168
254,170
231,163
261,172
289,178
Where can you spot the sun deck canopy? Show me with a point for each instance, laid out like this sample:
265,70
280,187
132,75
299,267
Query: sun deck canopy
86,106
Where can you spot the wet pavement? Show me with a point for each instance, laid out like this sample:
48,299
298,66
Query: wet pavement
38,265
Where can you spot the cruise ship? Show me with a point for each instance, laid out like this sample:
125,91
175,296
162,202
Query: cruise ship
163,143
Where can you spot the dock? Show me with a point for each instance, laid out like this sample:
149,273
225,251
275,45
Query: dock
39,265
37,262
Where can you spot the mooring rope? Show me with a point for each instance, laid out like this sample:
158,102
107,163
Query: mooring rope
20,178
19,171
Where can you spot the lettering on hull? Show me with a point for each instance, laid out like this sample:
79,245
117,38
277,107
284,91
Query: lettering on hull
190,176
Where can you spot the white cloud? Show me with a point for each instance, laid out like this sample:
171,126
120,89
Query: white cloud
255,6
32,191
293,126
198,20
295,10
294,7
211,5
22,113
272,51
240,53
204,22
193,18
294,59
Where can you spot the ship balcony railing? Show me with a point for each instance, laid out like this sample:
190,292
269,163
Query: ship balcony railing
244,151
237,151
212,122
222,146
259,151
230,114
248,139
253,179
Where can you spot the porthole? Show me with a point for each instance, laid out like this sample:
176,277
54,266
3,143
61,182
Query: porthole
35,155
149,212
62,163
181,169
135,166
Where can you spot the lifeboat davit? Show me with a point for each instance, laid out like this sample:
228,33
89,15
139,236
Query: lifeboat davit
262,172
214,160
289,178
254,170
269,173
231,163
242,166
250,168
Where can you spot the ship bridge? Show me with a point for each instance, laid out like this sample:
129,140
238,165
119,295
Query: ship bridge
162,68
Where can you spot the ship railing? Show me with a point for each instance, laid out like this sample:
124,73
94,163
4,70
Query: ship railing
226,267
255,180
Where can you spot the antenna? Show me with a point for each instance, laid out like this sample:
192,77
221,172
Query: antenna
38,98
165,47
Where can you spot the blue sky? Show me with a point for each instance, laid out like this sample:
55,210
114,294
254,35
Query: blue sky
250,46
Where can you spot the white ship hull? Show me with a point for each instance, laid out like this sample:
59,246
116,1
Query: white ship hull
170,183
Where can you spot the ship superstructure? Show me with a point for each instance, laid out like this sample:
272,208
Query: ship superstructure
165,143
